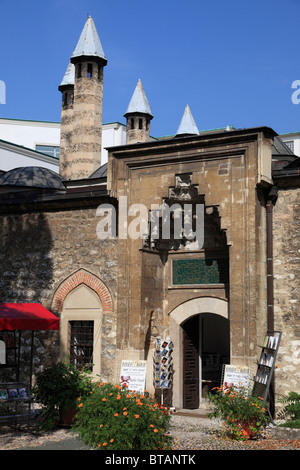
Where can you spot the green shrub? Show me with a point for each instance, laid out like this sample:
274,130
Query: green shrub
291,409
295,424
114,418
57,387
243,415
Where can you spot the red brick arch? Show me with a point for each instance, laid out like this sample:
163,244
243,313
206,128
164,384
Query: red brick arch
82,277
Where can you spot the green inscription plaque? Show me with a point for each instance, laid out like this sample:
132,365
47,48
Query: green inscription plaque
200,271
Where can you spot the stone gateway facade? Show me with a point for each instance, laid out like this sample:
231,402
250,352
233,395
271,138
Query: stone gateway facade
194,237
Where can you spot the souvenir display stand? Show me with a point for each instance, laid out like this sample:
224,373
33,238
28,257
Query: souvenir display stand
163,365
266,365
16,401
14,319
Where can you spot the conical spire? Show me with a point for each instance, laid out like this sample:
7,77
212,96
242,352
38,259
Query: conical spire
69,76
89,42
139,102
187,124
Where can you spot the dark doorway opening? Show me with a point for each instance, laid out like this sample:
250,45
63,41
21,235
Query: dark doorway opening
214,350
206,347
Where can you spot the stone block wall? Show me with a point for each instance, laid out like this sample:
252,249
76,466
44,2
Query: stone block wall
39,251
286,252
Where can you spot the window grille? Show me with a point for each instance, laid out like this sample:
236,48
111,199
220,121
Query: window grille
81,338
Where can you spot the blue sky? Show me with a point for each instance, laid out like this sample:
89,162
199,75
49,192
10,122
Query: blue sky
232,61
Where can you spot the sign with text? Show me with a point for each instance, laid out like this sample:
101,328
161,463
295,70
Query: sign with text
133,375
239,376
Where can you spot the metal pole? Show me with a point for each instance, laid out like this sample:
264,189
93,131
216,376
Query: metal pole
31,359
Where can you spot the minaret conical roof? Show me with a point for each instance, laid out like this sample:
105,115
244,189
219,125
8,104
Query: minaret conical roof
69,77
139,102
187,124
89,43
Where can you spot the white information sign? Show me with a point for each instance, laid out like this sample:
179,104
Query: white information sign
239,376
133,375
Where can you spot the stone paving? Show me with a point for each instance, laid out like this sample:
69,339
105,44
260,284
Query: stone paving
191,432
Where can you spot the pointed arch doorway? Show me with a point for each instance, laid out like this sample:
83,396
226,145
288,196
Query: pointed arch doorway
200,328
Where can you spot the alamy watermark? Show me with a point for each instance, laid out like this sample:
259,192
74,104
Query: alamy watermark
177,222
296,93
2,92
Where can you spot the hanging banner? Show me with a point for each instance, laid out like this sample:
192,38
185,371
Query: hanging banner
163,363
133,375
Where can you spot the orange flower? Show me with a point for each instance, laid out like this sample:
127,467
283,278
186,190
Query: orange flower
103,399
124,408
80,405
79,398
151,426
137,416
118,397
125,413
110,394
101,425
112,440
104,443
116,414
155,430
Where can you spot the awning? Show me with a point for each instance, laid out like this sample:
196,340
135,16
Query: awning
15,316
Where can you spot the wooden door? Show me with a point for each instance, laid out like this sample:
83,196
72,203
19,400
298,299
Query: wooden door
191,363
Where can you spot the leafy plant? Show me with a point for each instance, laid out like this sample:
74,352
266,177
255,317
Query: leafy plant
243,415
113,418
58,387
291,409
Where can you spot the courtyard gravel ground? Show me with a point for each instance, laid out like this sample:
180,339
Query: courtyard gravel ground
191,433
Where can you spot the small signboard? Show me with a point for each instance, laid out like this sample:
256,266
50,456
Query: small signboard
239,376
133,375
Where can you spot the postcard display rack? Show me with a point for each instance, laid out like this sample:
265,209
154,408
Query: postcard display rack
266,365
10,357
163,364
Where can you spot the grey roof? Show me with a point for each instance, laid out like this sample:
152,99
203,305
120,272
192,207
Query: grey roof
101,172
89,42
139,102
187,124
69,77
280,148
32,177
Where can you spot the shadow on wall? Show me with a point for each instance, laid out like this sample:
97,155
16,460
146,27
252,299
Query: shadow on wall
26,273
26,268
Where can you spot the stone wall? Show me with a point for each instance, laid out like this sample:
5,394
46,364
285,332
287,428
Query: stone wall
286,251
40,250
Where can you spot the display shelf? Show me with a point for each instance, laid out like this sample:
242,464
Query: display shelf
266,365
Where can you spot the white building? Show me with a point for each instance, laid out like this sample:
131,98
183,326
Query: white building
292,140
36,143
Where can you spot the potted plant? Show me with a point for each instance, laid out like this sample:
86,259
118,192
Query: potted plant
243,415
57,389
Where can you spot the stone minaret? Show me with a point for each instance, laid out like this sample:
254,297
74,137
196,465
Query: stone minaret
66,123
138,116
81,115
